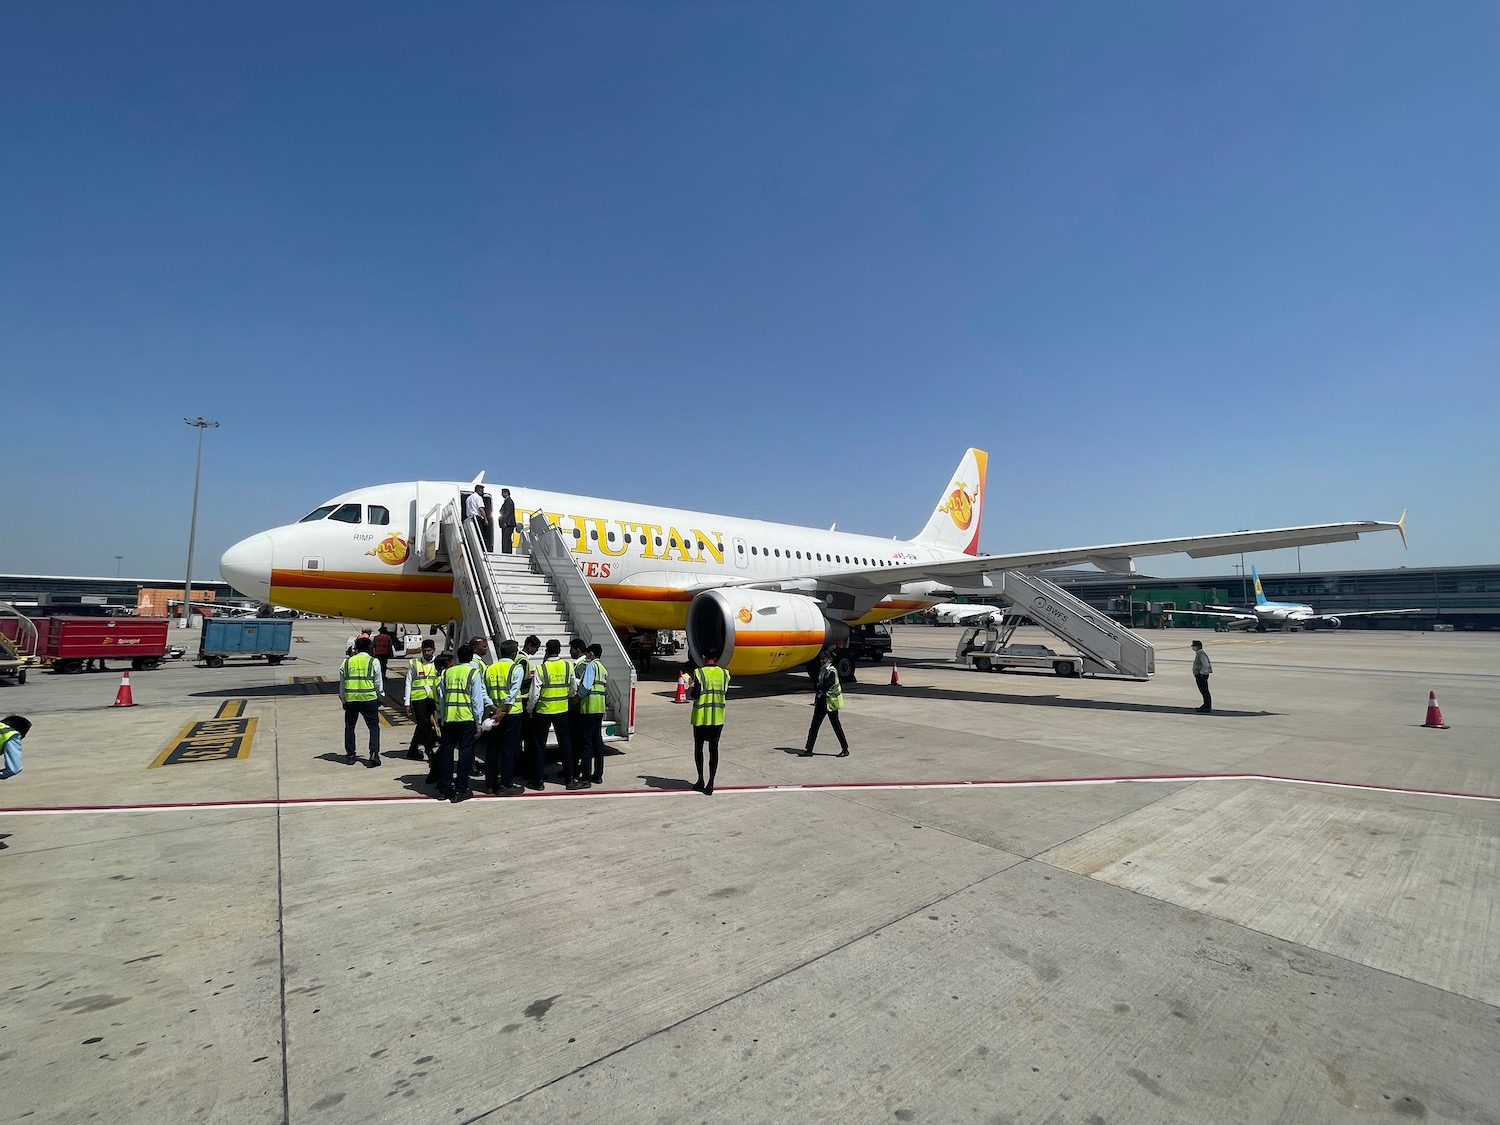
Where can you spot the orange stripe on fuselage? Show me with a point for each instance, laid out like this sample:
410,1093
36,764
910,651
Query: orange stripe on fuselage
363,580
642,593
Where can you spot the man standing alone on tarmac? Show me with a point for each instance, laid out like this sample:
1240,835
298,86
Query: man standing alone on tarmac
359,688
1202,669
507,521
13,728
828,701
707,689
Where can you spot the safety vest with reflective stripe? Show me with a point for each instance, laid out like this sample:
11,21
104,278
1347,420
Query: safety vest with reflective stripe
6,734
497,679
593,702
833,688
458,699
708,708
359,677
557,679
424,678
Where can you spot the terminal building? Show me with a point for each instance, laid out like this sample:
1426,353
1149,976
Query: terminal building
47,595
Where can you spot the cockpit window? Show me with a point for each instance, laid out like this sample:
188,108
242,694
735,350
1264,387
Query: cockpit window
378,514
317,513
346,513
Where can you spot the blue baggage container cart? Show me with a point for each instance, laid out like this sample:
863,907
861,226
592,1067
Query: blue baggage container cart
249,637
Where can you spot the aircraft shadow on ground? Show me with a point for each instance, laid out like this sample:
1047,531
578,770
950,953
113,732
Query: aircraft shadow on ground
959,696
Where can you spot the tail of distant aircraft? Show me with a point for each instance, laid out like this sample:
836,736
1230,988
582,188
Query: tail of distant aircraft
1260,595
954,523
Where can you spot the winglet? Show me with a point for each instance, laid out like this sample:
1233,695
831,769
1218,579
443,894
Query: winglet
1401,527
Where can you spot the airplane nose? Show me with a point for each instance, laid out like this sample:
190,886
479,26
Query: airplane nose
247,566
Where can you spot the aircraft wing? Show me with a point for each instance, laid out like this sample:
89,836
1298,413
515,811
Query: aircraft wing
1226,614
1117,558
1363,613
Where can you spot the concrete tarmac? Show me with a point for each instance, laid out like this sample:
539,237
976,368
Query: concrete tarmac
1021,899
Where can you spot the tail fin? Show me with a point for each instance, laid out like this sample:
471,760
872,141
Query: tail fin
954,523
1260,595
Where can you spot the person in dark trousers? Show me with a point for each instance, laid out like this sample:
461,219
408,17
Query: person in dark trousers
554,680
828,701
536,771
477,508
592,685
359,689
421,701
1202,669
507,522
13,728
461,704
578,657
502,683
380,649
707,688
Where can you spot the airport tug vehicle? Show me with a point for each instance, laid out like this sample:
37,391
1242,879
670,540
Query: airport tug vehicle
984,648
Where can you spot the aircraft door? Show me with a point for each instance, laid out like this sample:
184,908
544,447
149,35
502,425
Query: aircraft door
741,553
427,522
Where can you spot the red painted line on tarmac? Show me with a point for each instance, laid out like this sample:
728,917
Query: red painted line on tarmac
807,787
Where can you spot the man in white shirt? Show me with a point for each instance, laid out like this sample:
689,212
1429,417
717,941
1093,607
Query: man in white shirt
476,509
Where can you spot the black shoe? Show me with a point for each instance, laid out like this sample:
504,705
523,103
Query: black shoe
511,790
350,759
414,755
708,790
538,786
374,761
597,779
804,753
585,783
842,754
698,785
572,785
444,794
460,796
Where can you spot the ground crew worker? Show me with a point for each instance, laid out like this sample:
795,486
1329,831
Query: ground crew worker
554,687
528,658
421,700
502,742
360,691
707,689
1202,669
828,701
380,649
578,656
591,691
461,704
481,649
13,728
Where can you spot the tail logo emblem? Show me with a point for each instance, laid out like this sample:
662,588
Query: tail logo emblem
959,506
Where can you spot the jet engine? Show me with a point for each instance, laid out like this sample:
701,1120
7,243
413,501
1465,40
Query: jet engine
758,631
1333,622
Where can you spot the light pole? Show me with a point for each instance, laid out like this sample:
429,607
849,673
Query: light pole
187,586
117,565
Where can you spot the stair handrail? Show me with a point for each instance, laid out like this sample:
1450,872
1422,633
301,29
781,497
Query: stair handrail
1101,623
553,556
498,628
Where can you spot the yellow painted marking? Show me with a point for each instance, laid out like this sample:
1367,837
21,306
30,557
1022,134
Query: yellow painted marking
209,740
392,716
231,709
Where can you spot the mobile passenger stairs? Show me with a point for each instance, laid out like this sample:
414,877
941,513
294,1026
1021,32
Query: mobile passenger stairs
1106,646
508,596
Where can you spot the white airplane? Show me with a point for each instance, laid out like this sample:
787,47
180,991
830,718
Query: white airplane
1267,614
957,613
766,597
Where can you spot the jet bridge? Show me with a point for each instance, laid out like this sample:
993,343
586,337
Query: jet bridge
1105,645
509,596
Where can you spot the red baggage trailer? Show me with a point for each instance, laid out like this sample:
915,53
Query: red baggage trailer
66,642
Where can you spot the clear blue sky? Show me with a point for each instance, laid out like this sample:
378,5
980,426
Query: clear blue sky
1180,267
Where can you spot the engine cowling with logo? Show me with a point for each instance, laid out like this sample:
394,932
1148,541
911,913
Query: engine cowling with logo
759,631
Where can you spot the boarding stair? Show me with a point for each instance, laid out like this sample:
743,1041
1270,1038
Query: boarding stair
1105,645
538,591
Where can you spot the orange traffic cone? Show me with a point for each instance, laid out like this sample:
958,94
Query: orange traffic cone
681,696
895,675
123,697
1434,713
